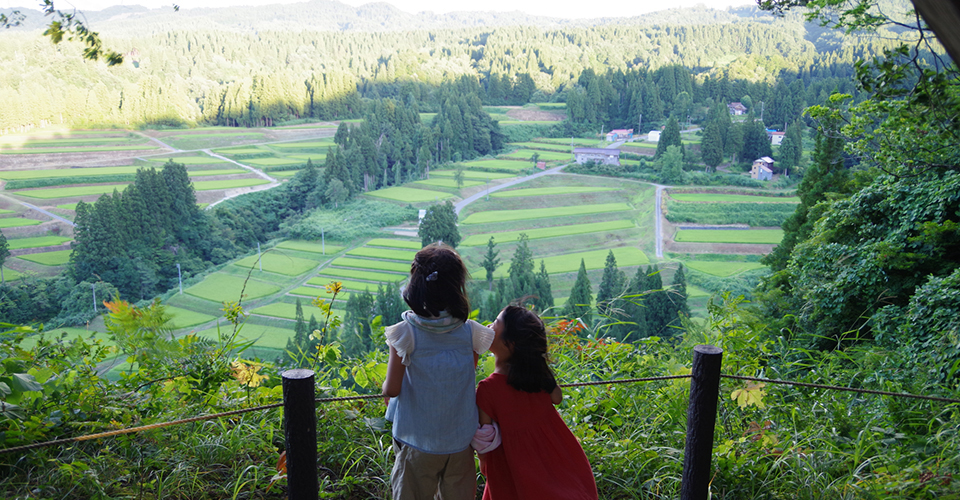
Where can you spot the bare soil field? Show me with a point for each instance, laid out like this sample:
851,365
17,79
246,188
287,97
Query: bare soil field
91,159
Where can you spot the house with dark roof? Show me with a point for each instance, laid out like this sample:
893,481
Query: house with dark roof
762,169
737,108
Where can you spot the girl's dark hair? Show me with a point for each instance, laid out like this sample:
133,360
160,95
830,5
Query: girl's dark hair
524,332
437,283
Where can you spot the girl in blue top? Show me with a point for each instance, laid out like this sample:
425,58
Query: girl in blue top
431,381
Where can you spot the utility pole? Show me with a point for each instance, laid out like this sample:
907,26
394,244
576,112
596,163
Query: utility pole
640,124
179,278
761,111
323,243
259,257
93,286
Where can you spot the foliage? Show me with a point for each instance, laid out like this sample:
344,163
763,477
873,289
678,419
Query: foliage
751,214
440,224
580,302
356,219
491,261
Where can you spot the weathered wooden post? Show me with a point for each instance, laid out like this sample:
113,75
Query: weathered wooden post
300,434
701,419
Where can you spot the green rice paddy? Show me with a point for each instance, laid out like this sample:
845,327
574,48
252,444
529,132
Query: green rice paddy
331,274
185,318
543,146
359,286
375,265
501,165
392,243
277,262
228,184
274,161
304,145
18,222
514,193
240,151
544,155
731,198
38,242
383,253
449,183
548,232
262,335
232,171
743,236
69,192
5,211
569,263
10,274
54,173
310,246
222,287
541,213
410,195
284,173
589,143
315,157
472,174
190,160
722,269
55,258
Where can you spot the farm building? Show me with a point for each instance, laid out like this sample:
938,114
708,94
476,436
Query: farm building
762,169
736,108
654,136
775,137
598,155
620,134
541,165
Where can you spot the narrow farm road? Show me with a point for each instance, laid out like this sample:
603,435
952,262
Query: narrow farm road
460,205
658,219
38,209
273,182
158,141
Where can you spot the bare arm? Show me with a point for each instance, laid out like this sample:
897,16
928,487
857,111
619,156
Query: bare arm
395,372
557,395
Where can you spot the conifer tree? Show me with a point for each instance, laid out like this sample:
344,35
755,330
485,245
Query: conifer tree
635,309
711,149
580,302
4,253
521,270
440,224
544,292
611,284
678,298
669,137
658,305
491,261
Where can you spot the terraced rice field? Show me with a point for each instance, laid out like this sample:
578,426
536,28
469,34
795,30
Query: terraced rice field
10,274
184,318
543,146
449,183
544,155
548,232
394,243
69,192
410,195
38,242
53,173
222,287
514,193
722,269
383,253
310,246
569,263
371,264
92,149
55,258
288,311
472,174
276,262
270,337
731,198
240,151
539,213
743,236
500,165
228,184
273,161
303,145
189,160
335,274
18,222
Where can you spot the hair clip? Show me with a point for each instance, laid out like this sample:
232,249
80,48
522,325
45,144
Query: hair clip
432,276
545,356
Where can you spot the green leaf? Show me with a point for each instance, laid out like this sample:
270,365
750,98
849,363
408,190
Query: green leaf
23,382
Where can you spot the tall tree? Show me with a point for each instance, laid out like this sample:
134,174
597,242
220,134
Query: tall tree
669,137
4,253
711,149
544,292
440,224
580,302
611,284
521,269
671,165
491,261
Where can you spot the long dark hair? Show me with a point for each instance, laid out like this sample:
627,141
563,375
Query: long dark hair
437,283
524,331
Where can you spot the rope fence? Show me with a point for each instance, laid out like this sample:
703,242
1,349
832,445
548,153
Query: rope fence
213,416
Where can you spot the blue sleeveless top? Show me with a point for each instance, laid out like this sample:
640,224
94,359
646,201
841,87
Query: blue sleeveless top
436,411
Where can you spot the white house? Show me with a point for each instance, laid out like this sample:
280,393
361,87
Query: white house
653,136
736,108
776,137
602,156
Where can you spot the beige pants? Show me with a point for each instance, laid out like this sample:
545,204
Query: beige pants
424,476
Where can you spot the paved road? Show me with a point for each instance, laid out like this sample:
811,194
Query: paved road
658,220
470,199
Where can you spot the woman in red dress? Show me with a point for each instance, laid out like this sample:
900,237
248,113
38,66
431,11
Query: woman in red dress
538,458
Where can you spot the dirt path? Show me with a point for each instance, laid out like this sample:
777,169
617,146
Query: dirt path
460,205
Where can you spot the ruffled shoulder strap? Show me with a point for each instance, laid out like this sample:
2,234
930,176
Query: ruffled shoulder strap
400,337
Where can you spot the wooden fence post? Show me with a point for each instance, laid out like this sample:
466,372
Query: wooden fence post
300,434
701,419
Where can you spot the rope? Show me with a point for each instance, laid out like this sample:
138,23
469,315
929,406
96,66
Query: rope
846,389
378,396
129,430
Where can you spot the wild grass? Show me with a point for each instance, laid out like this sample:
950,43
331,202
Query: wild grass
539,213
55,258
746,236
410,195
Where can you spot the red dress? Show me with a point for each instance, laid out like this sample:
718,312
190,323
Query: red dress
539,458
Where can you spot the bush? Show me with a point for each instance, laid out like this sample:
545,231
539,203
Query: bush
356,219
